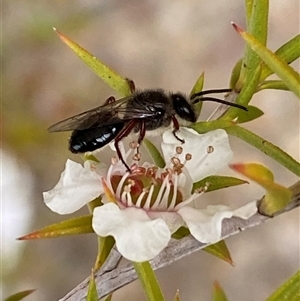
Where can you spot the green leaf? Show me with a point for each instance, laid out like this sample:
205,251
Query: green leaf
94,203
272,84
122,85
218,293
217,182
287,74
288,291
154,153
206,126
73,226
235,73
249,8
105,244
19,296
198,87
89,156
108,298
148,280
266,147
181,232
251,114
244,96
288,52
219,250
92,294
276,198
257,25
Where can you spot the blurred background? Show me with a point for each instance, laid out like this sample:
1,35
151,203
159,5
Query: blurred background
163,44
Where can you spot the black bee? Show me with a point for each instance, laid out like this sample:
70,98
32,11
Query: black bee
141,112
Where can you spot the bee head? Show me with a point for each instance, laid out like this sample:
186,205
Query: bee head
183,108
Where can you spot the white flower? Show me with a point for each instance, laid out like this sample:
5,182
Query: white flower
142,209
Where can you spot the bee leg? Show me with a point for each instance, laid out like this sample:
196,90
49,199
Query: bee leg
176,129
122,134
131,84
109,100
137,156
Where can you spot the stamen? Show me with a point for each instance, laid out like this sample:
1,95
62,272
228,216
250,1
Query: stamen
149,197
129,200
173,201
123,198
140,198
200,161
161,191
164,202
120,185
210,149
186,202
108,177
179,150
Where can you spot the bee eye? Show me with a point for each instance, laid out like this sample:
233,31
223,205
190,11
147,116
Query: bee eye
183,108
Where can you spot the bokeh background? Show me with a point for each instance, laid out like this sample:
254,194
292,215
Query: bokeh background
163,44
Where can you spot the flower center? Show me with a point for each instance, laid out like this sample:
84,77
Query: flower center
147,188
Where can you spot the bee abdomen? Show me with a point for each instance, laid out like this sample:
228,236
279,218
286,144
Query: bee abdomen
88,140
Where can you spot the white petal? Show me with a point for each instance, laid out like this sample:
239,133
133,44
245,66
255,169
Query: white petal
246,211
138,238
205,225
202,163
172,219
76,187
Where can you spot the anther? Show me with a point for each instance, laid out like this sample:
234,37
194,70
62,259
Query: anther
131,182
127,188
210,149
188,157
114,160
179,150
175,161
133,144
137,157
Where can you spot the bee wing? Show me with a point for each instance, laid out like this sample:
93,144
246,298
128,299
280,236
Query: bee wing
111,113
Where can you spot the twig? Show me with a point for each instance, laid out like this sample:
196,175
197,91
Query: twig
110,277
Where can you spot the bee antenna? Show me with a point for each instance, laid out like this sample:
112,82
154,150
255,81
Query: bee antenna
210,92
236,105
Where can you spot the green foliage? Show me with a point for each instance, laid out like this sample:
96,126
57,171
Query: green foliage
288,290
19,296
73,226
218,182
149,281
92,294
